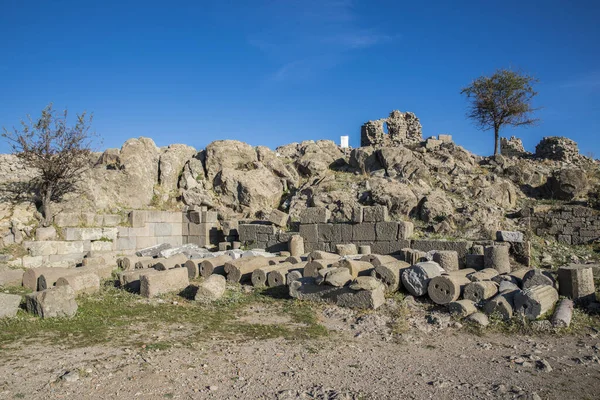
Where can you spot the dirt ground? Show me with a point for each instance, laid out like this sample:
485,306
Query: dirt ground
363,356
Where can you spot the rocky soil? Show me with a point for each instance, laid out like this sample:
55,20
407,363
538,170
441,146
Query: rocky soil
416,353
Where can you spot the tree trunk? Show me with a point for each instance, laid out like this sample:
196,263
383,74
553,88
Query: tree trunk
46,196
496,138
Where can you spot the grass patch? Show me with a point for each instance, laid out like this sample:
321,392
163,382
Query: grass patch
114,315
15,250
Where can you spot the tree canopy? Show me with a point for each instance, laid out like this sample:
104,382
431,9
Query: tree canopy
57,152
501,99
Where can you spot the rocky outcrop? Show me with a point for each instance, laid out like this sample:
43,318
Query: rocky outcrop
567,184
171,163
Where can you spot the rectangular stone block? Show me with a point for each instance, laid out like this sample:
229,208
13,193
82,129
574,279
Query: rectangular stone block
266,229
69,247
309,232
445,138
405,229
576,281
195,217
111,220
364,231
163,229
44,248
101,246
210,217
172,280
126,243
137,218
346,232
397,246
310,246
315,215
386,231
329,233
32,262
83,233
279,218
380,247
375,214
357,214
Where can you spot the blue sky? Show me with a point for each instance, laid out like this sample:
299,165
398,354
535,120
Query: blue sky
275,72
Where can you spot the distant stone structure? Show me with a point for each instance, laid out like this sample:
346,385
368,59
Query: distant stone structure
557,148
512,147
403,128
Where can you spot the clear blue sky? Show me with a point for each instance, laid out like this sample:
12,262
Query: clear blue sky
275,72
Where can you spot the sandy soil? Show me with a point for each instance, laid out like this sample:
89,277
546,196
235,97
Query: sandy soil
360,359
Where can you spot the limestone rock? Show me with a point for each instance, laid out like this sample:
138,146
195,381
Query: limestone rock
211,289
171,163
9,305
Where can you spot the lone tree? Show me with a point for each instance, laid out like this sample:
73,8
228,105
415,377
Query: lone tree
501,99
58,153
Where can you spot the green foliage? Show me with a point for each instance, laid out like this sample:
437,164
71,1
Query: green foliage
501,99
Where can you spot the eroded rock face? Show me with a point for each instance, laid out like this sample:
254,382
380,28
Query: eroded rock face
248,191
228,154
398,197
171,163
130,185
567,184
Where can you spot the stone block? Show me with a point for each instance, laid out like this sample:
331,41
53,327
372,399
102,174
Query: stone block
329,233
83,233
70,247
53,302
307,289
357,214
137,218
405,229
172,280
309,232
45,248
48,233
396,246
126,243
365,231
109,233
163,229
576,281
32,262
65,219
279,218
380,247
346,232
173,241
509,236
195,217
266,229
386,231
9,305
100,245
11,277
210,217
375,214
315,215
111,220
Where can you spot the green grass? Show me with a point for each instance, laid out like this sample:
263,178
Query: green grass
116,316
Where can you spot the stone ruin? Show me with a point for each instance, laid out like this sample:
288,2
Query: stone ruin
512,147
557,148
402,128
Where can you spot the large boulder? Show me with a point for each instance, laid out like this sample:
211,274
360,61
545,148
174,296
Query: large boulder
435,207
398,197
171,163
567,184
249,191
228,154
131,185
278,165
57,301
317,157
401,162
365,159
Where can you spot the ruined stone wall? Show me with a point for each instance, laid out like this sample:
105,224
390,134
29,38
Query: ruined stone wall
573,225
557,148
512,147
403,128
